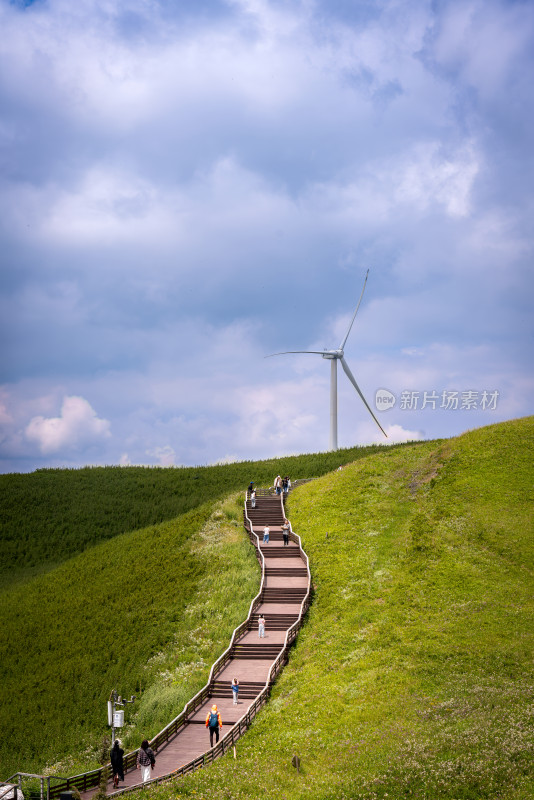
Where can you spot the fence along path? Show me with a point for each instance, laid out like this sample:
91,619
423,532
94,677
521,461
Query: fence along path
284,596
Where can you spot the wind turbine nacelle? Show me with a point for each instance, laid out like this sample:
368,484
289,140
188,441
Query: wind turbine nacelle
332,354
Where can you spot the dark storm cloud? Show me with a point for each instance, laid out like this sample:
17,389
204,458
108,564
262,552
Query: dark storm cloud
185,188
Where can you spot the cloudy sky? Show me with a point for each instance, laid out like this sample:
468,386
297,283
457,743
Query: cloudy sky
187,187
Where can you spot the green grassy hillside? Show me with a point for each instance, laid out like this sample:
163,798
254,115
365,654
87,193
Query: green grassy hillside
91,601
413,676
50,515
145,613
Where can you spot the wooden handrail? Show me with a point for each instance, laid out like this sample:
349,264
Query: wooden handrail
90,779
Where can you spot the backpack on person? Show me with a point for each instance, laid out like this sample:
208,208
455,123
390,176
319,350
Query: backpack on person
214,719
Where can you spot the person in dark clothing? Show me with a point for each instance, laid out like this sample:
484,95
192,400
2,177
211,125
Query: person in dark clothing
117,763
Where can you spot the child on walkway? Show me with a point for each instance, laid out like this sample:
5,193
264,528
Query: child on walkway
261,626
235,690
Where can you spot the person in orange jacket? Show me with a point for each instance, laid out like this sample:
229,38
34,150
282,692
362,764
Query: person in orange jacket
213,723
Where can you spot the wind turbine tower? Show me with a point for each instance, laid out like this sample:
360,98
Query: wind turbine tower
334,356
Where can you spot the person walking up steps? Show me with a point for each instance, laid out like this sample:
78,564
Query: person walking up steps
235,690
266,532
117,763
145,759
253,498
213,723
261,626
285,532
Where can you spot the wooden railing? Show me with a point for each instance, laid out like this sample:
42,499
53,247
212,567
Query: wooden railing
89,780
242,725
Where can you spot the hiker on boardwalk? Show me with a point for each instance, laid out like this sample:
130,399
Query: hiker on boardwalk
250,487
261,626
266,532
285,532
253,498
213,723
278,484
286,484
117,763
145,760
235,690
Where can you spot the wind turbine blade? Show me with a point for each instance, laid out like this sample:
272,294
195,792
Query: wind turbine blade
286,352
342,345
352,379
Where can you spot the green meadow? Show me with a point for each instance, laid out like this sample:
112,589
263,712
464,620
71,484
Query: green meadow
145,613
119,578
50,515
413,676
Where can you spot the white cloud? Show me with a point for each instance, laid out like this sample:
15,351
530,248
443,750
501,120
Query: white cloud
431,176
230,459
188,192
368,433
165,455
5,416
484,41
396,433
77,427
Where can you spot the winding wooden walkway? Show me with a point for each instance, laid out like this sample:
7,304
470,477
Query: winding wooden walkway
183,745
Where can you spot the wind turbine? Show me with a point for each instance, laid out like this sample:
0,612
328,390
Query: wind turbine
334,356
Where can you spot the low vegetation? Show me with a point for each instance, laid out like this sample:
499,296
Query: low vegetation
413,676
53,514
145,613
107,581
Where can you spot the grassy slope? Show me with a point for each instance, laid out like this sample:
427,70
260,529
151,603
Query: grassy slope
50,515
413,676
71,623
135,612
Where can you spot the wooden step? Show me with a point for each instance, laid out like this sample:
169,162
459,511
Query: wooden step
273,551
259,650
247,689
275,622
293,572
286,596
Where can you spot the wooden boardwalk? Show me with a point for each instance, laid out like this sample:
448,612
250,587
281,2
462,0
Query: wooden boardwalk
254,661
